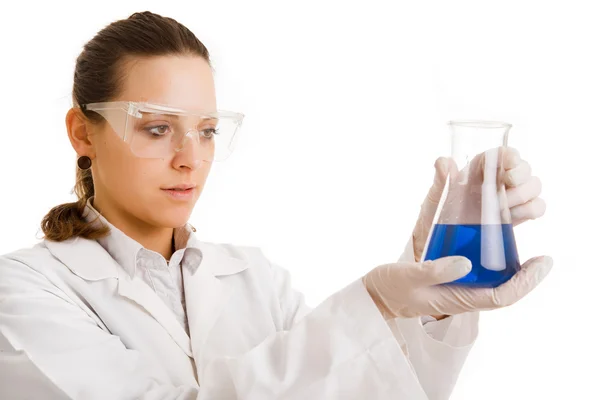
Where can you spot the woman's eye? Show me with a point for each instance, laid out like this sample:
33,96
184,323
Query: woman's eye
159,130
208,133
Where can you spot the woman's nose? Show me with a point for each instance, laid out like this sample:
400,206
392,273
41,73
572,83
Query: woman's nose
192,152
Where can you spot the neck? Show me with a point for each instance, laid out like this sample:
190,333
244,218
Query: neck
158,239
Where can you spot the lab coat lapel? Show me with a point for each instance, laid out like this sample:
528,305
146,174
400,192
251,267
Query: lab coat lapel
88,260
139,292
207,290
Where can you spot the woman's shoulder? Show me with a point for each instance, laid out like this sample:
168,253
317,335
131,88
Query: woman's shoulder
26,269
48,257
243,251
26,255
247,252
226,257
254,258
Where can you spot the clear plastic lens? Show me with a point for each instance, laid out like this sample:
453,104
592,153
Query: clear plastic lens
155,131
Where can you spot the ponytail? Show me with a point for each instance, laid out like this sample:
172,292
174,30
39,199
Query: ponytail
66,220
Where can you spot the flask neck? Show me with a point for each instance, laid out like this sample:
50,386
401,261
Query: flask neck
470,138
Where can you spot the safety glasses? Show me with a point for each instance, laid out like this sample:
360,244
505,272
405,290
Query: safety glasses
160,131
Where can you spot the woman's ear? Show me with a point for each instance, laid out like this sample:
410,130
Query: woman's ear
79,129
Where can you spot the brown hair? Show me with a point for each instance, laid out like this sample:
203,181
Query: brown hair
98,77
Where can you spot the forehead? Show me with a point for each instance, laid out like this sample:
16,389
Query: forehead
180,81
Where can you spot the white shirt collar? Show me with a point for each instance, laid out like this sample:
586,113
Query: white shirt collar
125,250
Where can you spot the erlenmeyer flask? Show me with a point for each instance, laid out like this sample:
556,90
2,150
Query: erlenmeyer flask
473,218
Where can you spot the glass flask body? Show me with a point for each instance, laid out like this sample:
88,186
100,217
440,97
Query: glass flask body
473,219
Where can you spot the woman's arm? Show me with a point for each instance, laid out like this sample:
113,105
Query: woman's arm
436,350
341,349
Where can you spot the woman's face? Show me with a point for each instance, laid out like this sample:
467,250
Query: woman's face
135,188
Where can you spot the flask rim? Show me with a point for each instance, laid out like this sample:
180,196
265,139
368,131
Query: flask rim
474,123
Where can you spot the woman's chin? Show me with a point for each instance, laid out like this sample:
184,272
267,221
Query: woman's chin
173,218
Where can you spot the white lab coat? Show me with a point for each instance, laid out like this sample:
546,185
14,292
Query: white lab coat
73,324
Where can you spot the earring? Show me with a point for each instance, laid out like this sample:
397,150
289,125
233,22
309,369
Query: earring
84,162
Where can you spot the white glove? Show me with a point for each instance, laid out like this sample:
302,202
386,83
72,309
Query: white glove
413,289
408,289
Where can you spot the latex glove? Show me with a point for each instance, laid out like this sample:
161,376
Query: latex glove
522,193
408,289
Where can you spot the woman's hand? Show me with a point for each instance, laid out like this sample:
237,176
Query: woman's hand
411,289
408,289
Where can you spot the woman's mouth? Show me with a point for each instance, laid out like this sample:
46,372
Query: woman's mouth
181,192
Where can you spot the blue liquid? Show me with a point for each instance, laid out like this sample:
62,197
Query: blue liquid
491,245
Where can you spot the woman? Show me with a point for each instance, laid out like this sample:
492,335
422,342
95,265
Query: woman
122,301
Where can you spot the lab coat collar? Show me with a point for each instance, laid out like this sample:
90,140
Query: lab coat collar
205,293
90,261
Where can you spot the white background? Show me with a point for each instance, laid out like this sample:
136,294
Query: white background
346,107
